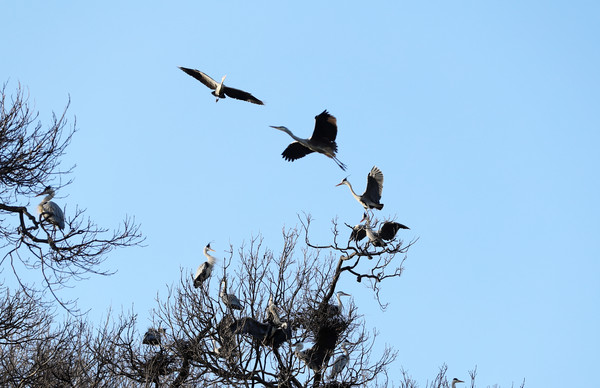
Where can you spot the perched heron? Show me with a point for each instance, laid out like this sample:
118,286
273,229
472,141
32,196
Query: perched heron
220,90
372,195
340,363
50,210
205,269
321,141
273,312
153,336
338,309
387,231
454,381
305,356
230,300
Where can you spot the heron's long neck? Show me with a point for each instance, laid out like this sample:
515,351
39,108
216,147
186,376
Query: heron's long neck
48,197
339,302
352,190
345,351
211,259
284,129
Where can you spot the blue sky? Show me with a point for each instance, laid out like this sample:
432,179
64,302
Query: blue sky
483,117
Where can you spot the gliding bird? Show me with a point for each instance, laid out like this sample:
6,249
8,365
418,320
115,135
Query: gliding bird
50,210
220,90
372,195
321,141
230,300
205,269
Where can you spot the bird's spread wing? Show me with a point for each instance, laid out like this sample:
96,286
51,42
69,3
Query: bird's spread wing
295,151
358,233
389,229
325,128
374,184
242,95
200,76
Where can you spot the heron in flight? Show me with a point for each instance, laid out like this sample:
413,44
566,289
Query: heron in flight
340,363
321,141
220,90
372,195
230,300
50,210
386,232
204,270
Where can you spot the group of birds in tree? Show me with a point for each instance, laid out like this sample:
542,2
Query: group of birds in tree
321,141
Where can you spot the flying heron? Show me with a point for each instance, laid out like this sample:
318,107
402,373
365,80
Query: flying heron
321,141
220,90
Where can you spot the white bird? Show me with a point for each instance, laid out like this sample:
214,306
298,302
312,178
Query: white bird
338,309
220,90
230,300
272,312
372,195
204,270
153,336
387,231
321,141
340,363
454,381
50,210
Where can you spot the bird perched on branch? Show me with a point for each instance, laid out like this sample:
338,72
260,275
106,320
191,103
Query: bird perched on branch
49,210
205,269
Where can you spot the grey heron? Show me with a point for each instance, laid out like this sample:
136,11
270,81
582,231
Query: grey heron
372,195
340,363
338,309
306,356
204,270
272,312
220,90
153,336
230,300
321,141
50,210
454,381
387,231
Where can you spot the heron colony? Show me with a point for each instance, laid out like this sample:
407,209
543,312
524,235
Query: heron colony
275,330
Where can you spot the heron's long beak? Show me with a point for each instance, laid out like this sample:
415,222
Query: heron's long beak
339,184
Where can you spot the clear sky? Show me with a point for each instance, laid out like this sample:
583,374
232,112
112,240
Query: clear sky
483,116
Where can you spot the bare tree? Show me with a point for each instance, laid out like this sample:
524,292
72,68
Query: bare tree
30,160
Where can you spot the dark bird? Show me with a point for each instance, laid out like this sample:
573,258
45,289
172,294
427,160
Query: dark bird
386,232
372,195
220,90
153,336
50,210
205,269
321,141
